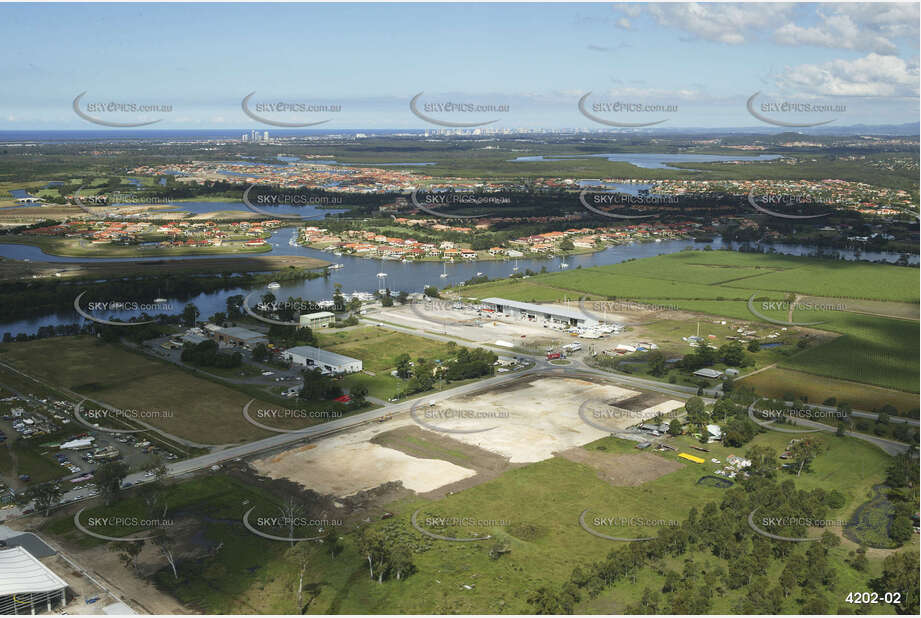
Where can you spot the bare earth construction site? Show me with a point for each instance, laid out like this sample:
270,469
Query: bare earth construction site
476,436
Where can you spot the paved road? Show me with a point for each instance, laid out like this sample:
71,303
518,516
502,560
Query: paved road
577,368
889,446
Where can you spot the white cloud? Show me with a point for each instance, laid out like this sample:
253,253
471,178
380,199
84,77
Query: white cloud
861,27
867,27
624,23
874,75
722,23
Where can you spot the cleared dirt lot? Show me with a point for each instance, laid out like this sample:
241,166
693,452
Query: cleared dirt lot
526,420
347,463
542,417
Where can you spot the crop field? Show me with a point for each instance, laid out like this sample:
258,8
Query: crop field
880,351
778,382
711,275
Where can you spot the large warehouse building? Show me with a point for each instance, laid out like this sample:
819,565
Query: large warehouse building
551,313
27,586
309,356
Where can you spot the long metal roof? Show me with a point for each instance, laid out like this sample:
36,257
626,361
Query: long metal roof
321,356
22,573
564,312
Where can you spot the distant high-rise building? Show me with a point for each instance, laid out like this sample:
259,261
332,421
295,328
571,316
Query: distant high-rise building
245,137
265,136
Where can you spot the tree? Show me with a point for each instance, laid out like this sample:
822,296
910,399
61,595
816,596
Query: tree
546,600
763,460
732,354
754,346
803,452
657,364
128,553
234,304
260,353
43,497
402,297
431,291
190,314
108,478
358,393
291,511
566,245
695,409
404,366
674,427
166,544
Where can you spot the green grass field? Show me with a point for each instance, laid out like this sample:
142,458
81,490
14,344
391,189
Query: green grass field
874,349
378,347
201,410
537,506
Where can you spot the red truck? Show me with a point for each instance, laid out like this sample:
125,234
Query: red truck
553,355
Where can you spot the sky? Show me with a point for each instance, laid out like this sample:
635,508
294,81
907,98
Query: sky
676,64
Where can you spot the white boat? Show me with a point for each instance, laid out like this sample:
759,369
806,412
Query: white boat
516,265
159,301
335,266
479,274
405,261
564,265
274,285
444,275
337,253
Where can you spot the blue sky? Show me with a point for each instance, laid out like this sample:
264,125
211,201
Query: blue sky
704,61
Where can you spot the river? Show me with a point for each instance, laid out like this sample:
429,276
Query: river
361,274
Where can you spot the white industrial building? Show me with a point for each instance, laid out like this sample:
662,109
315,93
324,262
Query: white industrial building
27,586
550,313
309,356
320,319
